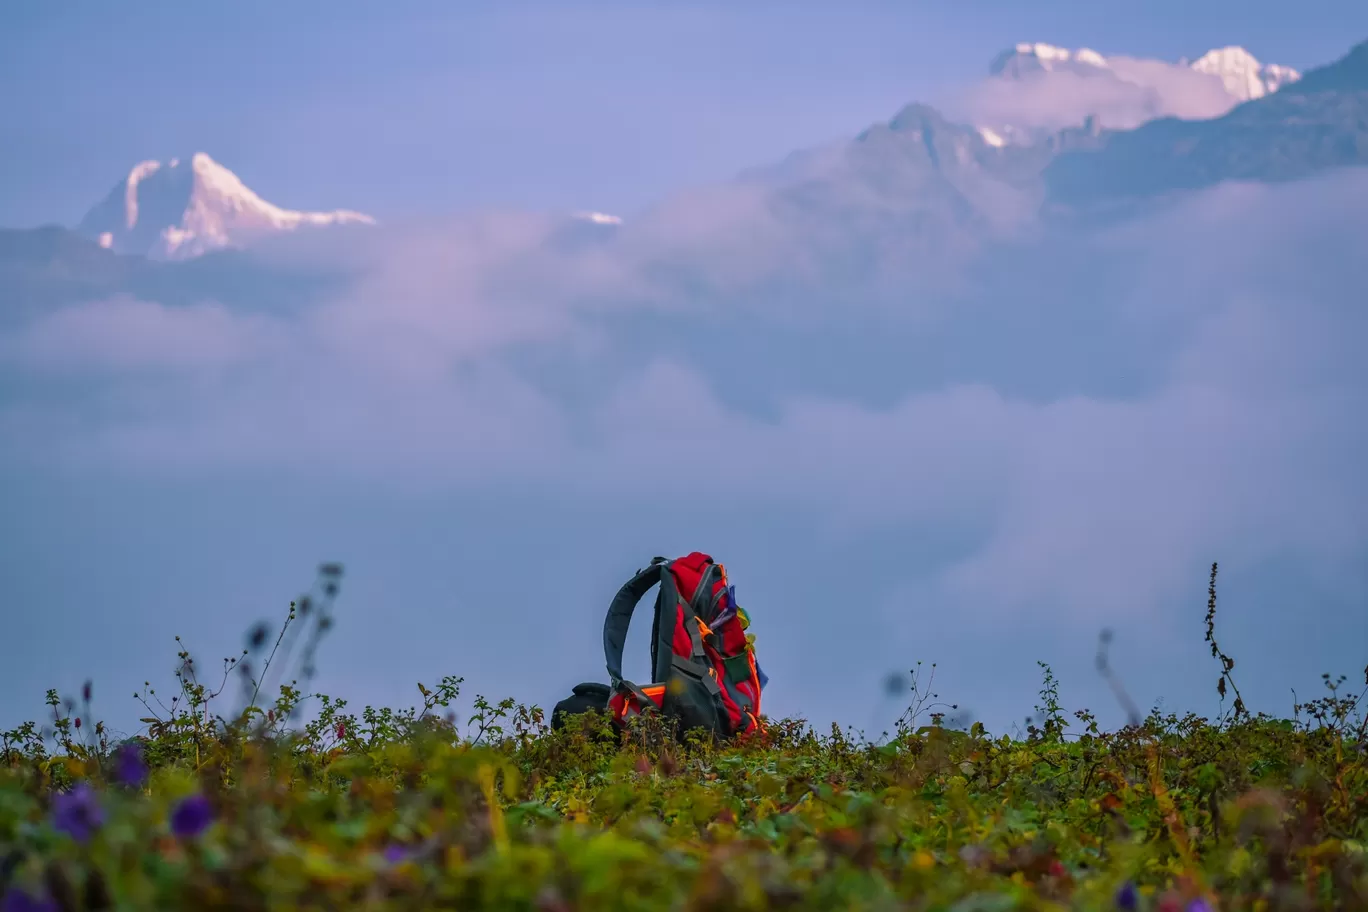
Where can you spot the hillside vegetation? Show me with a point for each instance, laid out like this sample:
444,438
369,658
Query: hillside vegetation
273,807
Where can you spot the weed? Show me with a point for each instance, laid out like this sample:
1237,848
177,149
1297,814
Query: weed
292,800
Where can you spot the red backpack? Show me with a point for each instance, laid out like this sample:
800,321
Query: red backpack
703,667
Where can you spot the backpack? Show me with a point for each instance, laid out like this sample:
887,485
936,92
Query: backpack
703,668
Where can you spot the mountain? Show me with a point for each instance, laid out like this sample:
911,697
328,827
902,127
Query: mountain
1027,59
48,266
1241,74
1348,74
901,205
917,180
583,230
52,266
1317,123
933,189
925,187
1034,90
180,210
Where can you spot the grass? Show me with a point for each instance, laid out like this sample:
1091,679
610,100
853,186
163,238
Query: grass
270,807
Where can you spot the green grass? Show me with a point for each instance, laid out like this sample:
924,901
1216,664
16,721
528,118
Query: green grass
408,810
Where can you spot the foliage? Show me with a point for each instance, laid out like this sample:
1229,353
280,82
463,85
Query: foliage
259,807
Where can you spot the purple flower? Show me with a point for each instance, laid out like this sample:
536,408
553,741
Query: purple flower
77,812
395,853
129,767
1127,898
192,816
1199,905
16,900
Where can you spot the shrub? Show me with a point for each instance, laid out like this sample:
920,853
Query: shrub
407,809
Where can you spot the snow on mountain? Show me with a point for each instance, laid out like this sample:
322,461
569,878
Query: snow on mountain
1242,74
1026,58
1034,89
992,137
180,210
1315,124
599,218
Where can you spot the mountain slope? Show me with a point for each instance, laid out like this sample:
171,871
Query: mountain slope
180,210
909,199
1348,74
1319,122
930,189
923,187
1033,90
50,267
1242,74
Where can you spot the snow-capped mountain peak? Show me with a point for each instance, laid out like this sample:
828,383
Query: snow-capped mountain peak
179,210
1028,57
1035,89
599,218
1242,73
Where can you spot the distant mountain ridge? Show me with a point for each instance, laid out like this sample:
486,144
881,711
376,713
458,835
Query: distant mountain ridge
960,177
922,183
183,209
1242,75
52,266
1317,123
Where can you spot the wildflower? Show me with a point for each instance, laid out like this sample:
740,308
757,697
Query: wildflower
192,816
77,812
341,730
975,855
549,900
1127,898
395,853
16,900
1199,905
129,767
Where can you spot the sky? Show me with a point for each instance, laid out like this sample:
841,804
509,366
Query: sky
975,459
426,107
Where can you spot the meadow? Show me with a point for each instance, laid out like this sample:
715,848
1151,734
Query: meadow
291,800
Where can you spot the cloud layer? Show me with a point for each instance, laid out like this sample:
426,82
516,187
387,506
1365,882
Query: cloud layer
1077,409
1128,93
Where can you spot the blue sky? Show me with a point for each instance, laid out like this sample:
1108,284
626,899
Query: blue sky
424,107
993,473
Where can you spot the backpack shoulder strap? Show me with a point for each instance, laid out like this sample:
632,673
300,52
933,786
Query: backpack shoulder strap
620,612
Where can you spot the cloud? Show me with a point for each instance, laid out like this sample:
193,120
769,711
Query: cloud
1093,405
1122,97
124,334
